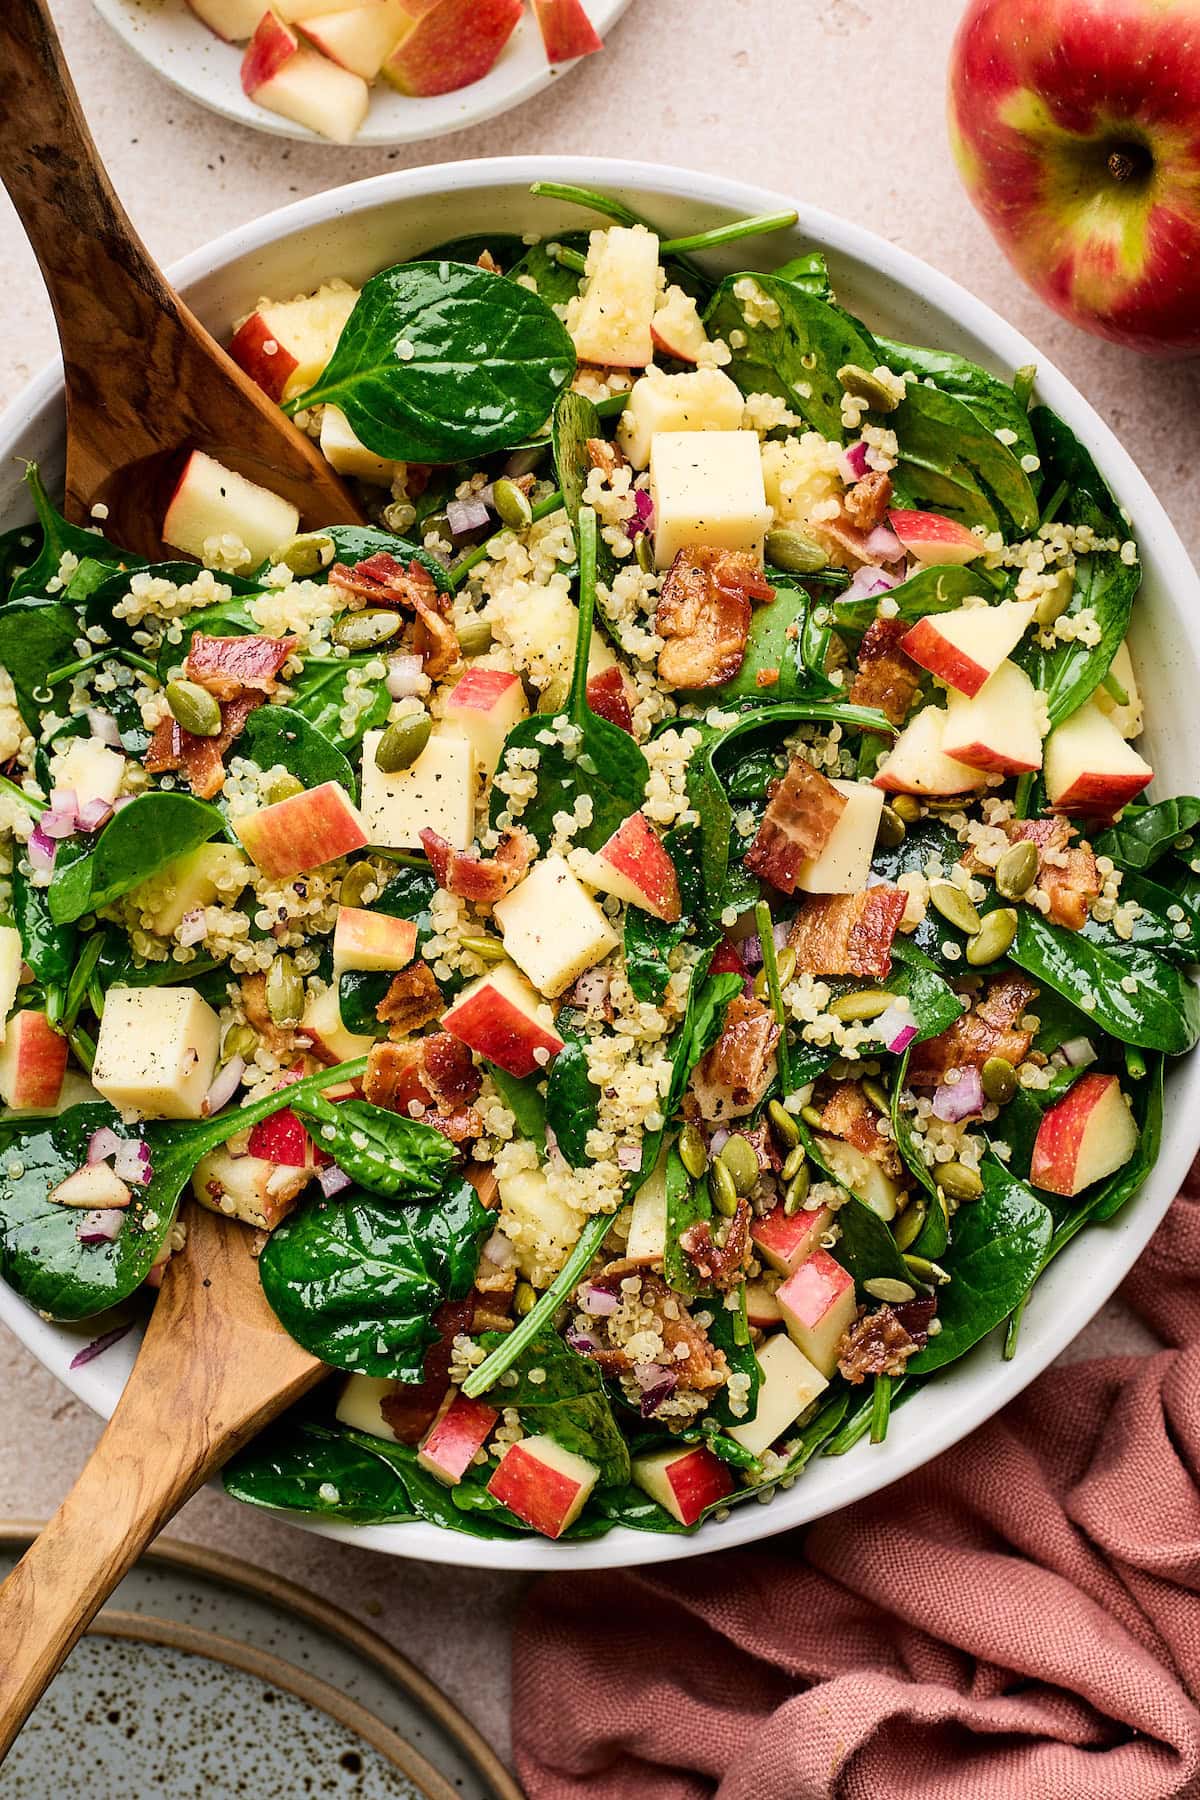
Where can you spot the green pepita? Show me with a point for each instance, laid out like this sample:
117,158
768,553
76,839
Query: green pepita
793,1162
865,385
907,807
785,968
364,630
524,1299
284,787
358,879
910,1223
1056,598
487,949
722,1188
643,549
892,829
959,1182
693,1151
511,504
474,636
740,1158
931,1273
439,525
796,1192
194,708
1017,870
885,1287
403,742
949,899
285,991
866,1003
308,554
240,1040
877,1094
994,937
785,1125
794,553
811,1116
999,1080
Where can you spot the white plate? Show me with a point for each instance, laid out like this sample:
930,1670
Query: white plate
355,230
168,35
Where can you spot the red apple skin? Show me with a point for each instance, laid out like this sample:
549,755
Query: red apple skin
492,1026
926,645
273,44
37,1056
1054,1165
455,1436
282,1140
934,538
785,1241
987,757
608,699
1100,796
303,832
538,1494
636,853
270,371
566,30
451,44
1042,95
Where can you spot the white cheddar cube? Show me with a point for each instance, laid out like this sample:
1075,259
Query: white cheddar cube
703,400
845,862
157,1051
648,1217
707,488
790,1384
552,928
541,1226
90,770
610,321
359,1405
437,791
344,451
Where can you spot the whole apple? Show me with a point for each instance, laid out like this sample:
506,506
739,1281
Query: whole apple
1076,127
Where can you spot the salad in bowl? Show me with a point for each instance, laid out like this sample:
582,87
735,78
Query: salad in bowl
662,935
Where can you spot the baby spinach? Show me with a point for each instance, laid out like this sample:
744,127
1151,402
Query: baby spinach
319,692
572,1099
1161,1013
389,1153
279,735
35,636
137,843
951,462
730,1333
934,1004
59,539
49,949
562,1394
504,247
992,401
808,271
788,640
304,1466
553,280
108,593
796,359
356,1281
440,361
866,1247
1154,928
688,1203
1146,833
934,1234
408,895
929,591
523,1097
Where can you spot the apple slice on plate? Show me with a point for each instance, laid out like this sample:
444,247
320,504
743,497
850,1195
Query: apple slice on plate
545,1485
447,44
33,1062
285,76
566,30
233,20
634,866
818,1304
357,38
303,831
964,648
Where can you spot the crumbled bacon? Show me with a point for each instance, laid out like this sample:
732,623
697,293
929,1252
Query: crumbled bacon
991,1028
411,1407
887,676
380,580
866,503
1066,872
482,879
432,1078
801,813
848,934
862,509
722,1264
200,758
761,1141
846,1113
604,456
609,699
880,1342
735,1074
412,999
702,1368
704,615
229,665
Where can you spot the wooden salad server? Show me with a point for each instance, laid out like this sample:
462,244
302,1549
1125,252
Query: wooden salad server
145,383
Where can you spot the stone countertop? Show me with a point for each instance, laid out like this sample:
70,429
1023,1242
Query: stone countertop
836,101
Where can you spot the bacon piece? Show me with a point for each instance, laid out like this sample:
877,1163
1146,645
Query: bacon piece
411,1407
200,758
608,699
866,503
862,509
1066,872
704,614
887,676
436,1075
229,665
380,580
411,1001
848,934
991,1028
720,1264
703,1367
801,813
735,1074
881,1342
482,879
849,1115
449,1071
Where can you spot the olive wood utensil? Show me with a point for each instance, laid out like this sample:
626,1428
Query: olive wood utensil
145,383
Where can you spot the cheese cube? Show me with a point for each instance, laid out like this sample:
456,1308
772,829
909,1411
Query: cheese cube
250,1188
541,1226
610,321
190,881
790,1384
437,791
359,1405
347,453
648,1217
707,488
705,400
845,862
157,1051
552,928
90,770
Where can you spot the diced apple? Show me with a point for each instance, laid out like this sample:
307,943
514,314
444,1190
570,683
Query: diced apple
610,321
484,706
371,940
676,326
501,1018
321,1022
790,1384
539,1222
296,11
566,30
191,881
844,864
302,832
932,538
707,488
706,400
286,77
212,507
608,696
90,770
648,1217
964,647
437,791
634,866
96,1186
1090,769
348,454
861,1174
783,1241
762,1308
233,20
449,44
357,38
1088,1134
1125,714
156,1051
11,957
283,1139
456,1436
249,1188
545,1485
76,1090
552,928
997,729
686,1480
818,1305
360,1405
284,346
917,764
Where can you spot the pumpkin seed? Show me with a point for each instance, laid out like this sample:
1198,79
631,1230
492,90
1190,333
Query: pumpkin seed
794,553
308,554
796,1192
785,1125
892,829
910,1223
999,1080
364,630
474,636
867,1003
358,878
511,504
793,1162
1055,599
643,549
741,1160
949,899
693,1151
284,787
959,1182
487,949
285,991
865,385
811,1116
1017,870
994,937
403,742
240,1040
929,1272
907,806
194,708
524,1299
885,1287
722,1188
877,1094
785,967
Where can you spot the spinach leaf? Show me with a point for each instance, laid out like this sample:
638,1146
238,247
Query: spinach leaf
36,636
950,461
569,1404
934,1234
58,539
930,836
703,1022
554,281
929,591
392,1155
995,1254
504,247
106,594
650,941
523,1099
307,1467
360,994
49,949
278,734
18,548
866,1246
730,1333
1163,1011
408,895
687,1203
799,357
809,272
992,401
935,1005
1154,928
440,361
468,1508
1146,833
136,843
785,638
357,1281
572,1099
318,694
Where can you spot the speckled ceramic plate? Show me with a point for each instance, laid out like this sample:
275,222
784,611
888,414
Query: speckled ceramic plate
208,1679
169,36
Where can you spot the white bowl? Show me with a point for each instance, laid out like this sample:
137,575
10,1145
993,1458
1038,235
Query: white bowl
168,35
352,231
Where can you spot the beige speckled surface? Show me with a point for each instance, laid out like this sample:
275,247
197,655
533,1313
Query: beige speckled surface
741,87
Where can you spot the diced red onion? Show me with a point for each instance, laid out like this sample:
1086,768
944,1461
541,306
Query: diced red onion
751,947
855,459
719,1139
61,817
466,515
897,1028
1078,1052
192,927
102,1144
405,677
95,814
962,1100
132,1161
100,1227
644,515
866,582
657,1384
884,542
597,1300
589,991
99,1345
582,1341
225,1086
487,496
332,1180
123,800
629,1157
102,725
42,850
499,1251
